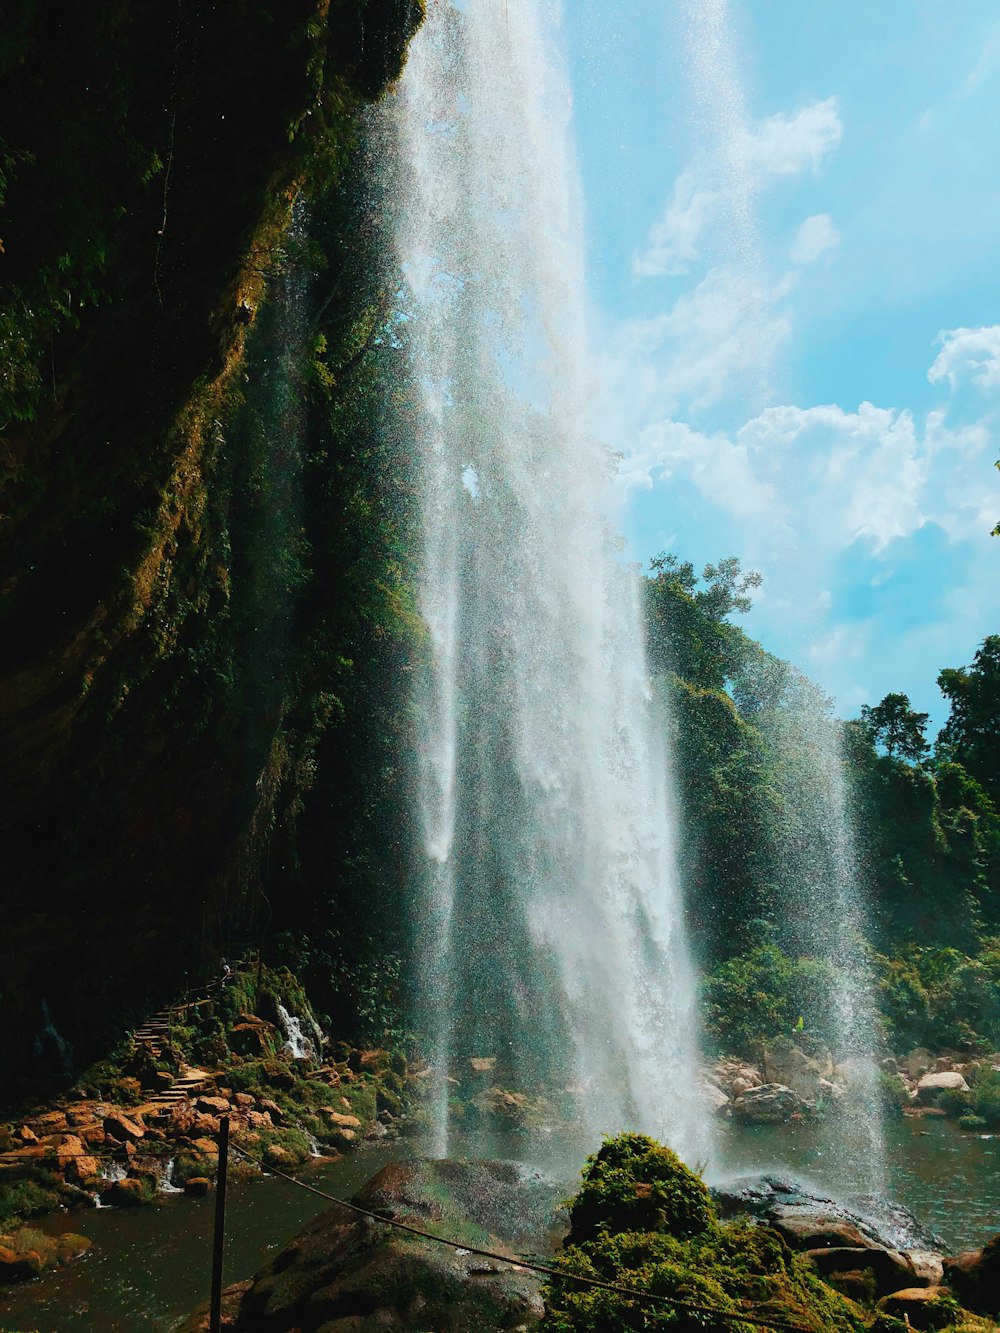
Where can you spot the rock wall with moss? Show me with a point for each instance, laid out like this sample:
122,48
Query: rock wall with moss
205,498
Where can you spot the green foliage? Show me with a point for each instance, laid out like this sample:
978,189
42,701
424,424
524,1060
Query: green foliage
634,1183
31,1195
971,736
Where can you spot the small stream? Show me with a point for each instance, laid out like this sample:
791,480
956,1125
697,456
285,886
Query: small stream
151,1266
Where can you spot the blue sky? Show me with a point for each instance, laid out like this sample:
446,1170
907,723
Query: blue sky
793,214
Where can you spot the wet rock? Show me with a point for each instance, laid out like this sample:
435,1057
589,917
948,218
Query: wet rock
771,1104
82,1168
931,1084
975,1278
343,1138
792,1068
128,1193
197,1186
358,1274
119,1126
16,1267
890,1269
714,1098
806,1230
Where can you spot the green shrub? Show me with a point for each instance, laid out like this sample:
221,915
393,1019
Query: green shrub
27,1197
892,1093
986,1094
956,1101
969,1121
637,1184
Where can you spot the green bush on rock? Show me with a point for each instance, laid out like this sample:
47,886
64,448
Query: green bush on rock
635,1183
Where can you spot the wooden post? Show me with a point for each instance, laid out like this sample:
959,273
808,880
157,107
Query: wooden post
215,1308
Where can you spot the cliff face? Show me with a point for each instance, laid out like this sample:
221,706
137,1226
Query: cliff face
204,502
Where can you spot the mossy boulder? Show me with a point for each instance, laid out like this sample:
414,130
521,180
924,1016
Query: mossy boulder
350,1272
637,1184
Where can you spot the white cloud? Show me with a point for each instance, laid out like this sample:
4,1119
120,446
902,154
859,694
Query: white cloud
674,239
722,333
815,238
971,352
719,467
786,144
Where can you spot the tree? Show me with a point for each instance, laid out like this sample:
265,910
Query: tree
895,725
971,736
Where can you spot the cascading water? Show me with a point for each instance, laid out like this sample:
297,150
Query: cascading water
552,935
827,908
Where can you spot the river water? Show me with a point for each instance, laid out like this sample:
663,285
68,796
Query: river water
151,1266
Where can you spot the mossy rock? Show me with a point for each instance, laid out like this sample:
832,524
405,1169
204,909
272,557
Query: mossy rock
637,1184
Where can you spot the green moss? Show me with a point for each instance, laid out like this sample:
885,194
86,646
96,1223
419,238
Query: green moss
30,1196
635,1183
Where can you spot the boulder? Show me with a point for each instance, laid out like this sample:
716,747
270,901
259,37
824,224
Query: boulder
255,1038
197,1186
771,1104
213,1105
123,1128
16,1267
712,1097
792,1068
352,1273
339,1120
805,1230
890,1269
915,1306
27,1135
931,1084
69,1149
975,1278
343,1138
917,1063
271,1108
928,1266
82,1168
128,1193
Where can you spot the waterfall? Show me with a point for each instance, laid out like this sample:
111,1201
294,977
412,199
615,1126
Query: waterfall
551,936
826,910
297,1045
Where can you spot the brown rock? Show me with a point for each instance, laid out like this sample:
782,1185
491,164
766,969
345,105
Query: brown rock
93,1136
819,1232
121,1127
975,1277
273,1110
343,1138
890,1269
70,1148
204,1125
197,1186
128,1193
206,1147
932,1084
213,1105
27,1135
260,1120
18,1267
483,1064
182,1118
243,1100
340,1120
915,1305
81,1169
52,1122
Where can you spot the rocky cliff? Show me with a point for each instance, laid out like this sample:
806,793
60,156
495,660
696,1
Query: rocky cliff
203,507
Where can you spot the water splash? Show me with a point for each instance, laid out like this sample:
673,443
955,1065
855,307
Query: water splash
552,935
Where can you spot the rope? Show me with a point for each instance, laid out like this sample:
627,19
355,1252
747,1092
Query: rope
519,1262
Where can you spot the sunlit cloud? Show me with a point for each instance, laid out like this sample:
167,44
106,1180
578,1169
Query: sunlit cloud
816,237
789,143
968,353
